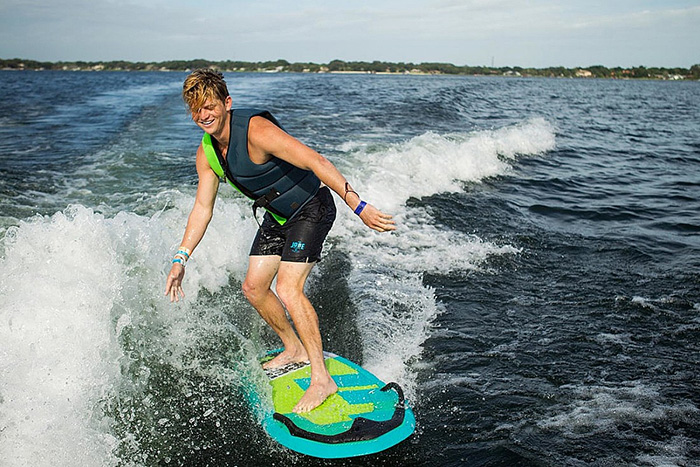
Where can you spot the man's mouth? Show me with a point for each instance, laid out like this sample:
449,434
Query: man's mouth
206,122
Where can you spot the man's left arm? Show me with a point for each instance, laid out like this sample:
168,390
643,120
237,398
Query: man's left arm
266,138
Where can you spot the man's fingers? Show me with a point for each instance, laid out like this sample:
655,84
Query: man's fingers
379,221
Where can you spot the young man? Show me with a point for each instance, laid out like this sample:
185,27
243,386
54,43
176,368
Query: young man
291,181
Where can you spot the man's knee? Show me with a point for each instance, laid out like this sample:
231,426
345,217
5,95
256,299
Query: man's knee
289,292
253,292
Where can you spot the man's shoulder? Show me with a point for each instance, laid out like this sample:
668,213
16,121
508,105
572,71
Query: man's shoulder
260,124
249,112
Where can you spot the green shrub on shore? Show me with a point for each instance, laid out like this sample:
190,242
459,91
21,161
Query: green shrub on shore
340,66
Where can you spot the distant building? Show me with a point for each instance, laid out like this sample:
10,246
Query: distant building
584,74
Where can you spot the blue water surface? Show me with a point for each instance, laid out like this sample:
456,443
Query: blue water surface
580,345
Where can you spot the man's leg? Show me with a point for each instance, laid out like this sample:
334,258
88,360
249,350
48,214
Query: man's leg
290,288
256,288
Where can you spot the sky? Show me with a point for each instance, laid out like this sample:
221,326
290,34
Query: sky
526,33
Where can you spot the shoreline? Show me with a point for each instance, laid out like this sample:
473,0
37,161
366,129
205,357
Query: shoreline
381,73
358,68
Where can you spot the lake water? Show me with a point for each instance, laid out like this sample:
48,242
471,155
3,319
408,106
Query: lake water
539,302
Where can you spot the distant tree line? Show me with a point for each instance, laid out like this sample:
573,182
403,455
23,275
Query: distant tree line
339,66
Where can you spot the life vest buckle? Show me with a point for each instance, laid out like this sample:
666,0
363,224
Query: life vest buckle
264,201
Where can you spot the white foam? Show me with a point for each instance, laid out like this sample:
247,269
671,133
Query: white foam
671,453
396,309
643,302
74,283
433,163
59,282
597,409
71,283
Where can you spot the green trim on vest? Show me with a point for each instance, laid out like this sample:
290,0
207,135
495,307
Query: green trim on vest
276,185
215,165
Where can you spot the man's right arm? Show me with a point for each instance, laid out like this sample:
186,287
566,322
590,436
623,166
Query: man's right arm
197,222
203,208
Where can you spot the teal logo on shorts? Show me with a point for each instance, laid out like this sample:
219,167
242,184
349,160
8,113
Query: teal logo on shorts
298,246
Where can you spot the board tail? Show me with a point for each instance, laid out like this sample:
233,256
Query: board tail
362,429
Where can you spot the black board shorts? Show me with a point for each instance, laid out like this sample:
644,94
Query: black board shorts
301,238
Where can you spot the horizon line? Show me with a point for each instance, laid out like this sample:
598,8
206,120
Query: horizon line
688,67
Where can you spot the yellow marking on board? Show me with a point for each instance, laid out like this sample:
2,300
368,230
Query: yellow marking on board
335,409
336,367
287,392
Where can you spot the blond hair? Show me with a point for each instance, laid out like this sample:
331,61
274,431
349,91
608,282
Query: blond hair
202,85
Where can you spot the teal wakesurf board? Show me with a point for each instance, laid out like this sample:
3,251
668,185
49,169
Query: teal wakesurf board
365,416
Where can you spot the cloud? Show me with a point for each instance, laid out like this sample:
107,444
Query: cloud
533,33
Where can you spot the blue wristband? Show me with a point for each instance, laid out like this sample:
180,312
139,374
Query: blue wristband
360,207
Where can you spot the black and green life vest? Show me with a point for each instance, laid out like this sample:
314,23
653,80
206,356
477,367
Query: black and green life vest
277,186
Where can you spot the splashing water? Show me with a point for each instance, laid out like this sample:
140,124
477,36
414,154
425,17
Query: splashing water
85,329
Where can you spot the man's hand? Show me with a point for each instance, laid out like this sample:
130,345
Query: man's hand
376,219
173,286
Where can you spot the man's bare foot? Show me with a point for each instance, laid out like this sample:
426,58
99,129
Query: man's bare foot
285,358
315,395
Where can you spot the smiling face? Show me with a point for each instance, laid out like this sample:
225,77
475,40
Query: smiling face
213,116
207,98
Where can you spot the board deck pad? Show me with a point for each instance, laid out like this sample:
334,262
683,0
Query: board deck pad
365,416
